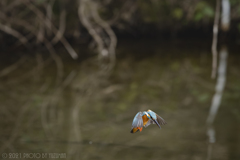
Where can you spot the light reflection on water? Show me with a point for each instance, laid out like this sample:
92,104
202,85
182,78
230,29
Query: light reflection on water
89,115
216,100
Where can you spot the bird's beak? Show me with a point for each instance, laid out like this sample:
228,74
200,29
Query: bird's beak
157,123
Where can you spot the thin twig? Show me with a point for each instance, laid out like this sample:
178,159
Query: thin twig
83,16
109,31
46,42
49,14
40,35
14,33
62,27
41,16
215,38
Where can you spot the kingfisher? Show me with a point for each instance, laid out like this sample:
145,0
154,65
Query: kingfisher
146,118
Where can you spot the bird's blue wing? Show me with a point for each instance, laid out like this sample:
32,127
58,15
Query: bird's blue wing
137,120
156,118
137,123
152,114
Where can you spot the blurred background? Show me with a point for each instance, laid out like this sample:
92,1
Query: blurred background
74,73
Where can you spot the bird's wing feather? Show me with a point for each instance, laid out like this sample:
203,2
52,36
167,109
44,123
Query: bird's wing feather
137,121
160,120
157,118
152,114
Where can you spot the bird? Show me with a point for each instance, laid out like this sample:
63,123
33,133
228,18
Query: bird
146,118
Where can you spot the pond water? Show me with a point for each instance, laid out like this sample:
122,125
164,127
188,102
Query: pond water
88,113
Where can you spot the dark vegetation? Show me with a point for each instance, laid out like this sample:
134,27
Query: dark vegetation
47,22
99,24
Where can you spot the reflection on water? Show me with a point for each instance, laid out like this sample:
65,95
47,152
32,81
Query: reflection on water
216,100
89,115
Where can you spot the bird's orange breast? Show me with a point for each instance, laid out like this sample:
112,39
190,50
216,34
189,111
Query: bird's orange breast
145,119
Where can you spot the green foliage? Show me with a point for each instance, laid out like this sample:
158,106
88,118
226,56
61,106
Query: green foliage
177,13
203,11
204,97
234,2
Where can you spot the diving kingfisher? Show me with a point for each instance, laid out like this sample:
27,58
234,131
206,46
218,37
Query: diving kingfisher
146,118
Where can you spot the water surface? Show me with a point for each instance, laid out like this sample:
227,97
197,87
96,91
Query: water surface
88,113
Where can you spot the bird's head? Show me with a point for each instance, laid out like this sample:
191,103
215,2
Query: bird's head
145,113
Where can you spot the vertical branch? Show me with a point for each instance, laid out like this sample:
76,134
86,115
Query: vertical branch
40,35
83,16
100,30
109,31
216,100
225,19
219,86
62,27
215,38
62,24
49,14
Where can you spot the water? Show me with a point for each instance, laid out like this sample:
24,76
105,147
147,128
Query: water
88,114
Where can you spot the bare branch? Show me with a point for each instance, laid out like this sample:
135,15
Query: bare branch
49,14
215,38
99,29
62,27
49,46
225,19
40,15
14,33
40,35
109,31
83,16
